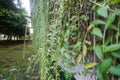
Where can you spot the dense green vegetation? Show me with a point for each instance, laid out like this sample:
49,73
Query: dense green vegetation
72,40
87,31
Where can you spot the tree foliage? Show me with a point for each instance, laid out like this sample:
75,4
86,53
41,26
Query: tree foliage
12,19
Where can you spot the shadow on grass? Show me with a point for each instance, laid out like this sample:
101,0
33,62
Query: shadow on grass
12,65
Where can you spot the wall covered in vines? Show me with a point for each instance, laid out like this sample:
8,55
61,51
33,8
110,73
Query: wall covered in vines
77,39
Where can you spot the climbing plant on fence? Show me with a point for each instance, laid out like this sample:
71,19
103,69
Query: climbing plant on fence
74,32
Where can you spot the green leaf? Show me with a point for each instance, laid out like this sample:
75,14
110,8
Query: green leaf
117,12
73,53
116,54
110,20
108,39
115,70
106,76
113,27
62,50
105,65
112,47
102,12
77,46
67,56
99,52
73,18
84,17
99,74
70,5
114,2
96,22
97,32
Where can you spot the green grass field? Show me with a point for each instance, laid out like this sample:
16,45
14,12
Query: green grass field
12,62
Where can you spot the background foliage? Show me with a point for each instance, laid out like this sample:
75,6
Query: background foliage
12,19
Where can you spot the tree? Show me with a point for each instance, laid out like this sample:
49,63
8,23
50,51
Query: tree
12,20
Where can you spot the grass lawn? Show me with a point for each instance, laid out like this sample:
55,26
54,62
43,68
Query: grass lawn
11,60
